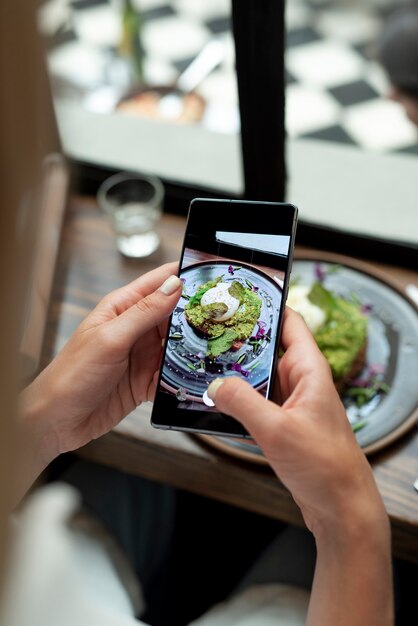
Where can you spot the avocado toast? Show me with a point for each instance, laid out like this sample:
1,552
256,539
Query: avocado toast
338,325
225,312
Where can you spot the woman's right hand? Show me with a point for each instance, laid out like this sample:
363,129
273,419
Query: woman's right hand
309,443
307,439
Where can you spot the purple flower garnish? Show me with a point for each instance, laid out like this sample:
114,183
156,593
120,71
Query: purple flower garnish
320,273
230,270
368,377
359,382
236,367
375,370
255,288
366,309
183,280
261,331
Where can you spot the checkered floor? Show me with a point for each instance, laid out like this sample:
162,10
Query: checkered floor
336,90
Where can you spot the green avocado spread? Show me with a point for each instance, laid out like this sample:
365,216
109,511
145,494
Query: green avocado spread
344,332
221,335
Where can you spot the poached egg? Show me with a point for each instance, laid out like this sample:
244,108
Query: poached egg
220,294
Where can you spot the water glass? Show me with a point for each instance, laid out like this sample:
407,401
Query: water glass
133,204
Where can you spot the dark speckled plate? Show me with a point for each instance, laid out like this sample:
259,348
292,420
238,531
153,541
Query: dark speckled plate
392,351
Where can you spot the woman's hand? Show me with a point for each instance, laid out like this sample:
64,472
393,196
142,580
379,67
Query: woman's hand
107,368
307,439
310,445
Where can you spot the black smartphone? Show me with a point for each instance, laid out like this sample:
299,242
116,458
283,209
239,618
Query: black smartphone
235,267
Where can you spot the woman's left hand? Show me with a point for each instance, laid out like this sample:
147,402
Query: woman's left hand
107,368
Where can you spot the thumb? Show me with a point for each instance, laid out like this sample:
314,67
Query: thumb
147,313
237,398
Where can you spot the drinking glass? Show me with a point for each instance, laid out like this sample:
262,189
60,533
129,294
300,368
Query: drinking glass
133,204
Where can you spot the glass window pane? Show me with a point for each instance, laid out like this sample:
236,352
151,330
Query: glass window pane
147,84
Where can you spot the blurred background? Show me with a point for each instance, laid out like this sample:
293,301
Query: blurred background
336,89
237,99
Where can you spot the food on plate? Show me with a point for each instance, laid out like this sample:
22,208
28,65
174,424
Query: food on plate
338,325
225,312
159,104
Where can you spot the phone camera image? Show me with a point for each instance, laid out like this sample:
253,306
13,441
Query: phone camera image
227,320
222,326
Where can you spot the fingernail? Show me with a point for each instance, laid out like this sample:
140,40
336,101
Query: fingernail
170,285
214,386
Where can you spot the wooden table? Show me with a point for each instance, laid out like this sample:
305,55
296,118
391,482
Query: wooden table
88,267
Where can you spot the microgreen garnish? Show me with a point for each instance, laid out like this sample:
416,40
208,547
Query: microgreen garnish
359,425
176,336
196,298
362,390
236,290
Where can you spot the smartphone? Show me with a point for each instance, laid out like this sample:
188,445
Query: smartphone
235,266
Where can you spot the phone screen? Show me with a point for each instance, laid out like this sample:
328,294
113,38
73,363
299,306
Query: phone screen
235,266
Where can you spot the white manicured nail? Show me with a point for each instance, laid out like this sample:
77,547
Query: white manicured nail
214,386
170,285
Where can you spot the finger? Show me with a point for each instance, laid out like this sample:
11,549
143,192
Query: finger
146,313
128,295
152,389
237,398
303,363
299,344
296,332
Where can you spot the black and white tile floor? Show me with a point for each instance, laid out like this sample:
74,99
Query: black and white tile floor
336,90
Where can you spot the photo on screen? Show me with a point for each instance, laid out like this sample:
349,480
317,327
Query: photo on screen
227,319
